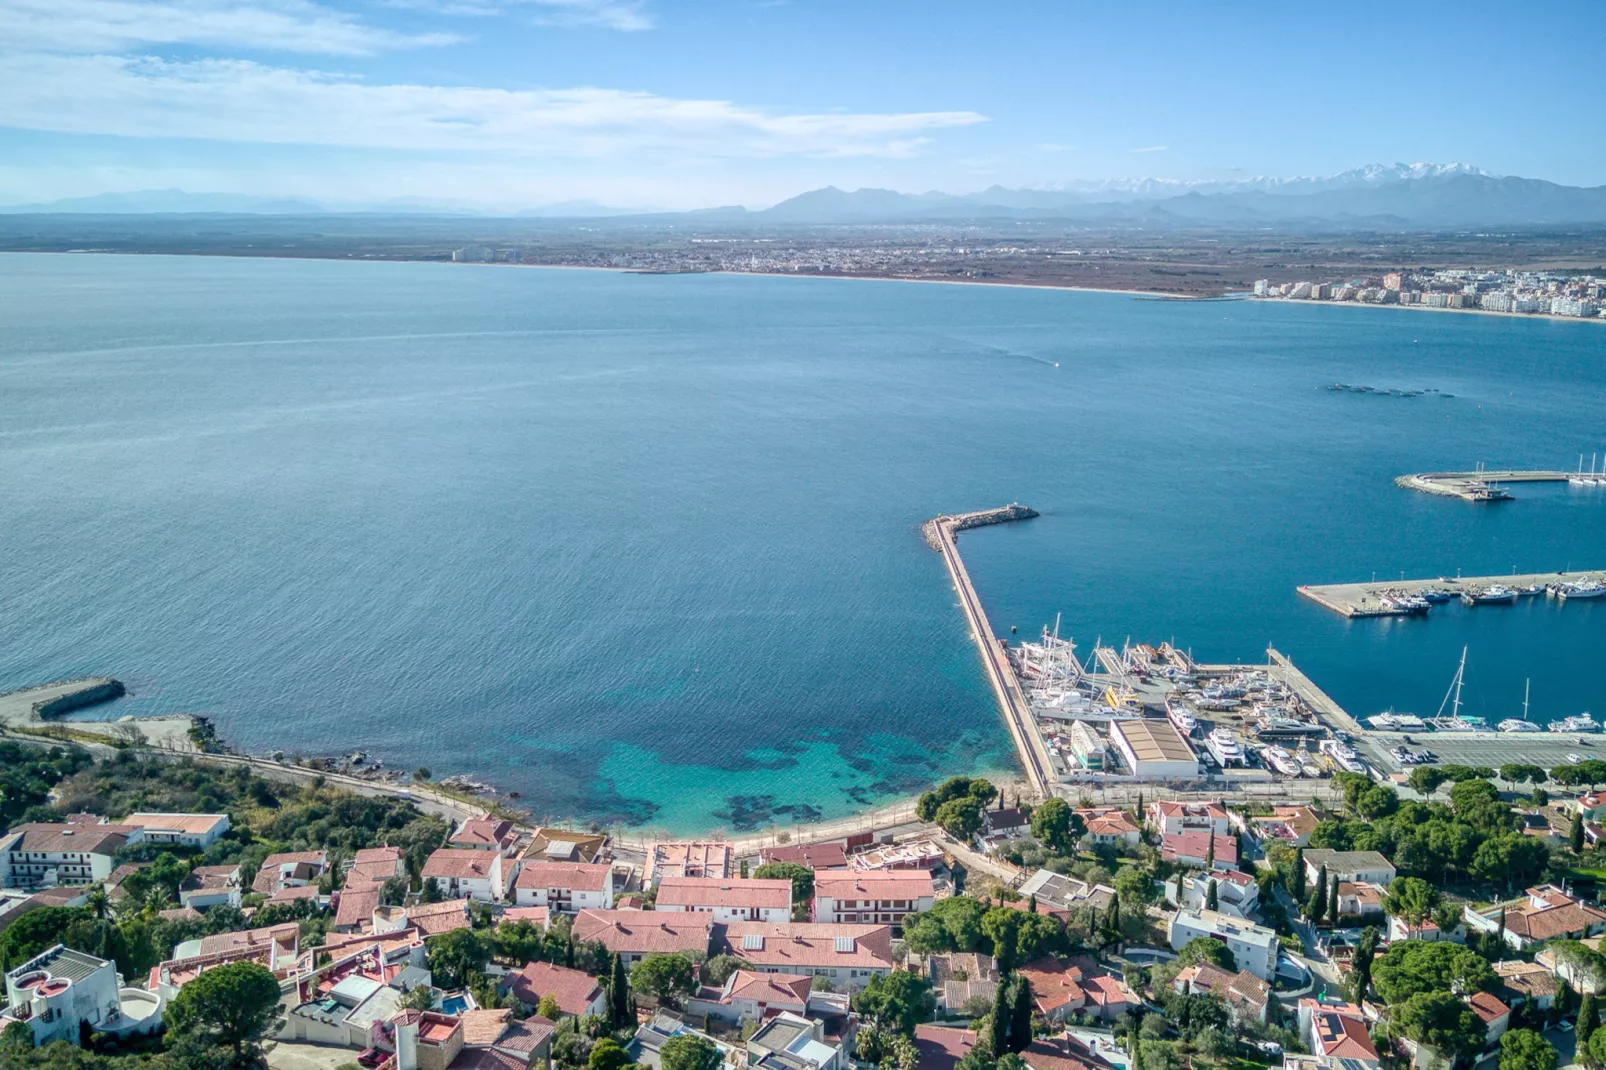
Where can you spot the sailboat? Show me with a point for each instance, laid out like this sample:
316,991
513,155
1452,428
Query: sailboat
1452,698
1512,724
1580,479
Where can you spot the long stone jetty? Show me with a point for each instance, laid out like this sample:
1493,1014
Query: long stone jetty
1480,486
941,532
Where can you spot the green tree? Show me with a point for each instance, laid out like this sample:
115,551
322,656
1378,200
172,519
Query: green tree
1426,779
1207,950
621,1012
689,1052
667,977
1597,1048
1057,826
1297,888
548,1008
606,1054
232,1006
1575,834
1318,898
1332,902
1441,1021
1511,859
1361,964
1523,1049
1412,967
1523,773
1212,897
456,957
960,818
958,787
1412,899
1377,802
897,1001
1588,1019
802,878
1020,1014
952,924
1134,885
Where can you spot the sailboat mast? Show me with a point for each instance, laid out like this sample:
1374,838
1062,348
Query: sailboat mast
1525,686
1460,675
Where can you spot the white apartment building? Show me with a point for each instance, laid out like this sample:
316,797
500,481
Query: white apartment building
564,887
1254,947
185,830
43,856
56,991
877,898
727,900
1172,817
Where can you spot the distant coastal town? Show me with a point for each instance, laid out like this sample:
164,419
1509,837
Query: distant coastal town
1543,293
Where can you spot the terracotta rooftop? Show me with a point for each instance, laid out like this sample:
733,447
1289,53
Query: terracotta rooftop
644,931
810,944
812,855
484,833
940,1047
432,919
78,839
1195,843
717,892
574,990
578,876
482,1027
463,863
769,987
189,824
880,884
1487,1007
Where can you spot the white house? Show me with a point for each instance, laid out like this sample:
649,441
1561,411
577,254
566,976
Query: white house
467,873
45,855
184,830
57,991
1254,947
1236,893
210,886
1172,817
1547,914
883,897
788,1041
564,887
728,900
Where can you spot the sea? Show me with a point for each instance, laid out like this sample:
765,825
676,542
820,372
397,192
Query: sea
646,549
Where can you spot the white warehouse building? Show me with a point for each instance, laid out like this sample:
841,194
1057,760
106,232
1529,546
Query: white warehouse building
1152,748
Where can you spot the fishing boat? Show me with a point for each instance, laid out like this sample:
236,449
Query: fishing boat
1409,605
1581,722
1516,724
1437,595
1224,748
1581,589
1496,594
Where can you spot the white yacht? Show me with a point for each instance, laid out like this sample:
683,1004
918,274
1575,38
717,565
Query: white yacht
1281,761
1343,755
1224,748
1581,589
1517,724
1581,722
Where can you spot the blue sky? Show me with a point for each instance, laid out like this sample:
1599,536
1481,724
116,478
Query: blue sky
515,103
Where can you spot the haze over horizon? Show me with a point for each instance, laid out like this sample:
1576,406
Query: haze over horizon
657,104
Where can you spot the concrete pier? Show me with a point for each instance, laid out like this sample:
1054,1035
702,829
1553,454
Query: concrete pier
941,532
1479,486
1366,599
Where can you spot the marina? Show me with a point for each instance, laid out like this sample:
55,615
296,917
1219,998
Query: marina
1402,597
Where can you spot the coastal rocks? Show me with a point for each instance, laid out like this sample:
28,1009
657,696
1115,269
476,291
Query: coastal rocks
748,812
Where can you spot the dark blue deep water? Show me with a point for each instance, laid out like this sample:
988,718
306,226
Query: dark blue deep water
647,549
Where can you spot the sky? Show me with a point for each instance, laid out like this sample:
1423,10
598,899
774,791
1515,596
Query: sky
674,104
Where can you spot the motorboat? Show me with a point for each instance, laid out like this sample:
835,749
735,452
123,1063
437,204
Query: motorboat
1280,761
1581,589
1343,755
1496,594
1581,722
1180,717
1224,748
1517,724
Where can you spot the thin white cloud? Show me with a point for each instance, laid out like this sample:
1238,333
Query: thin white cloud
299,26
626,15
244,101
1151,148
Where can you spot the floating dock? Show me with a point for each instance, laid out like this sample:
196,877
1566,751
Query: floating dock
1366,599
1480,486
941,533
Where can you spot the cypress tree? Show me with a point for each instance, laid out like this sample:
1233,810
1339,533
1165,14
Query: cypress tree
1210,851
1361,970
1115,911
1020,1026
1137,1050
1586,1019
1332,904
1031,904
1575,834
999,1021
1298,890
619,1002
1319,898
1212,901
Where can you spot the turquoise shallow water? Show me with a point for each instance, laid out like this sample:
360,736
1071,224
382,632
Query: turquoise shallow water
646,548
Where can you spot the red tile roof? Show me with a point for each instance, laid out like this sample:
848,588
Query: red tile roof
357,904
881,884
484,833
1055,984
482,1027
813,855
810,944
715,892
573,990
769,987
1195,843
941,1047
463,863
644,932
576,876
436,918
1342,1035
1487,1007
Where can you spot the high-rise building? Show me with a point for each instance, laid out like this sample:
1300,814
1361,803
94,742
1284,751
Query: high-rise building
1394,281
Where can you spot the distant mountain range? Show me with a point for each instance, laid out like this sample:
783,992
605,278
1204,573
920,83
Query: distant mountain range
1379,195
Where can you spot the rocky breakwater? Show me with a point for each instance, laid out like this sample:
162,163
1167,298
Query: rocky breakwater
92,693
958,522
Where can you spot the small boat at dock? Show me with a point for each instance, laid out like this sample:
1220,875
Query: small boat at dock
1581,722
1581,589
1496,594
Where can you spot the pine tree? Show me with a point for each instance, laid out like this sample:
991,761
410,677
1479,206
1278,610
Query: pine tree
1298,890
619,1002
1586,1019
1020,1026
1212,901
1575,834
